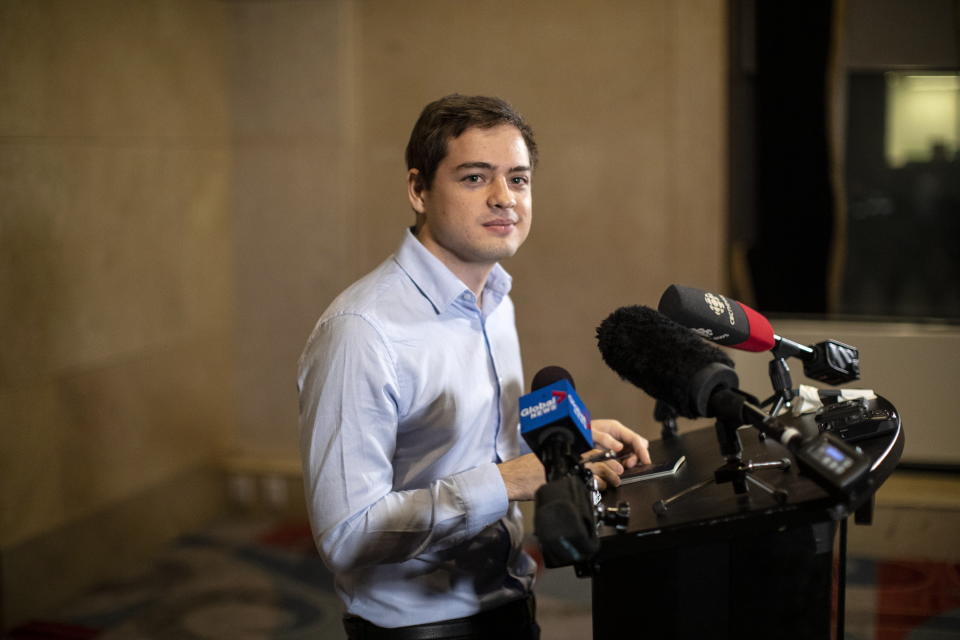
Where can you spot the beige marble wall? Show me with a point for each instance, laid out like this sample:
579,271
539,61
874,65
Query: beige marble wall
116,299
289,67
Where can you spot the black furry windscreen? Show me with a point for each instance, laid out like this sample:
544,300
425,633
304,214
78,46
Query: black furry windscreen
653,352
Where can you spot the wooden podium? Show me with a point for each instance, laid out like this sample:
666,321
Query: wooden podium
717,565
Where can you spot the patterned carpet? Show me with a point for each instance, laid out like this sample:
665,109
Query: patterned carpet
902,599
238,579
248,580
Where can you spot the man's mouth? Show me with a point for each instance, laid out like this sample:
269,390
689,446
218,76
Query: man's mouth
500,224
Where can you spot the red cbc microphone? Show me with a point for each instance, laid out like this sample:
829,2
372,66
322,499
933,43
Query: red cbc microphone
717,318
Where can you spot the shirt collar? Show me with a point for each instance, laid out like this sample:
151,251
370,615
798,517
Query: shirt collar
438,284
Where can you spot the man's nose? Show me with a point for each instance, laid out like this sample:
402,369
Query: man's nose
501,196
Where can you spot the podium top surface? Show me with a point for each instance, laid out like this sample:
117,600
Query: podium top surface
716,510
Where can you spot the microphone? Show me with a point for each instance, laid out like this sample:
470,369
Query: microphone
556,425
733,324
666,360
672,364
717,318
555,422
550,374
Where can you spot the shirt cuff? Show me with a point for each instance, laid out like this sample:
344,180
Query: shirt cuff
484,496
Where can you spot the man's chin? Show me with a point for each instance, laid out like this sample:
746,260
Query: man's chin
501,253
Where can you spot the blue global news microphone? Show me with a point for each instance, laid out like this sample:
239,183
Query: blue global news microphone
555,422
556,425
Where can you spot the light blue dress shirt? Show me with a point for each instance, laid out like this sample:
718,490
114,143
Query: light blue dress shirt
408,399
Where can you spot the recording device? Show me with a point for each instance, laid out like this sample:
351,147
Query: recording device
556,425
734,324
837,467
671,363
855,420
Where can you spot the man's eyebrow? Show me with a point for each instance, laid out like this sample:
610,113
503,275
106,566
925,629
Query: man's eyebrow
488,166
475,165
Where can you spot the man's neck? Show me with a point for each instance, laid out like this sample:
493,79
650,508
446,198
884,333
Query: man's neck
473,275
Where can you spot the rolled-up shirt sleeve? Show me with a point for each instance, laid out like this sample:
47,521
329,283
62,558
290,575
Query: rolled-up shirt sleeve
350,404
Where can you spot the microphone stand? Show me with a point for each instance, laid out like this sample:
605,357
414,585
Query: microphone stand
667,417
734,470
780,373
782,386
828,361
567,512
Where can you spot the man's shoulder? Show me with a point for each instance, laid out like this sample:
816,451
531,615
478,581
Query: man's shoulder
358,312
369,296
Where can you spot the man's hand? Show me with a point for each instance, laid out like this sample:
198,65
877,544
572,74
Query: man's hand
522,476
614,436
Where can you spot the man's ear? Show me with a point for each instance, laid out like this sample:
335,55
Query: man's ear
415,190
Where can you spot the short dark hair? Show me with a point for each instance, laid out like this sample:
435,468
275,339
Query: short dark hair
448,118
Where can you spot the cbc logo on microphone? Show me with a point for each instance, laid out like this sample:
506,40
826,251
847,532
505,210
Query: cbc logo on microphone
716,304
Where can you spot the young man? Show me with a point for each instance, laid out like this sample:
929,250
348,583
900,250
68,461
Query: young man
412,457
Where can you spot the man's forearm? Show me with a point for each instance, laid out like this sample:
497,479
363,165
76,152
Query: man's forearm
522,476
403,524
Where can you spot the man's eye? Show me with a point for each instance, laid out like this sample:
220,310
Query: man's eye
521,180
474,178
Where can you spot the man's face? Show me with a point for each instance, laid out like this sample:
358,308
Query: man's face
478,209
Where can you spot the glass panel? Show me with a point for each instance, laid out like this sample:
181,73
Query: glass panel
903,195
922,127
